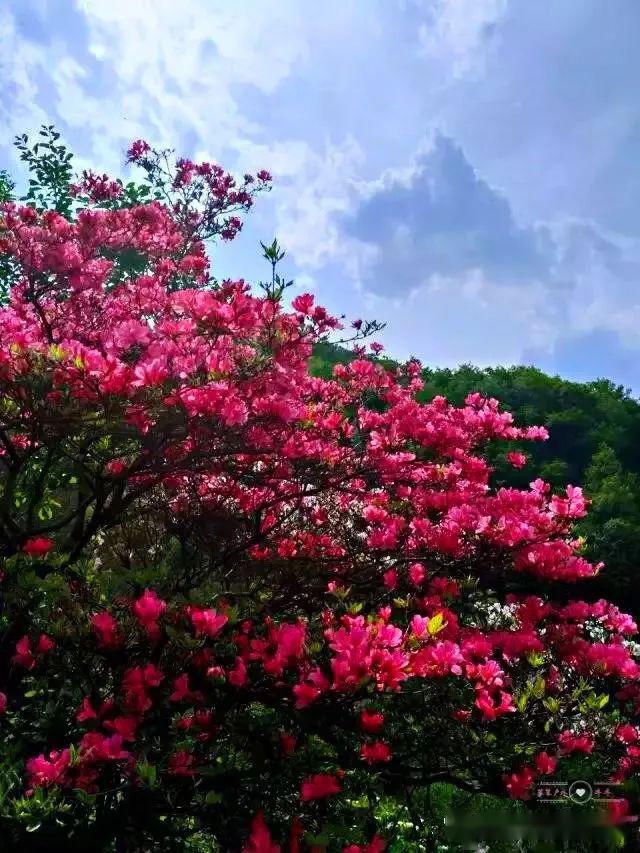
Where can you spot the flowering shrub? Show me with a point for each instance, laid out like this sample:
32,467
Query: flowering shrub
245,604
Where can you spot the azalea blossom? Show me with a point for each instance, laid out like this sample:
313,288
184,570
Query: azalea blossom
319,786
38,546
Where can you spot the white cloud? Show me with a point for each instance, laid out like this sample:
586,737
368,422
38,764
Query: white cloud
448,266
313,188
452,319
605,268
171,72
149,68
20,61
173,66
457,31
166,45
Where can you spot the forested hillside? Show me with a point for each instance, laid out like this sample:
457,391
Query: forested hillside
594,441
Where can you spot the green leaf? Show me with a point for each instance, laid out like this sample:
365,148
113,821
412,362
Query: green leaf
436,623
617,838
148,773
539,688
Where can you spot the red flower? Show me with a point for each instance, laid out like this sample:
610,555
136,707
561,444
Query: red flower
494,706
95,747
545,763
295,835
390,579
319,786
180,763
185,723
126,727
238,675
376,752
3,703
627,733
182,692
519,784
137,150
45,771
38,546
570,742
107,630
288,743
260,840
518,460
417,573
207,623
371,721
303,303
147,610
618,812
85,711
45,644
24,657
136,684
115,467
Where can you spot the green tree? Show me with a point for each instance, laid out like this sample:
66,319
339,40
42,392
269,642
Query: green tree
612,529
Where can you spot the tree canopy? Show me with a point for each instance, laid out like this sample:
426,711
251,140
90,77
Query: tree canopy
261,595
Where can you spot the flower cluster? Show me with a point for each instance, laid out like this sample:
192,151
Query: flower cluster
217,562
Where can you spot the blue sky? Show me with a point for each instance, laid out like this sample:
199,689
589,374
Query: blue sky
466,170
